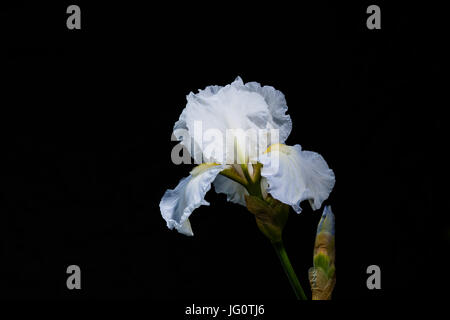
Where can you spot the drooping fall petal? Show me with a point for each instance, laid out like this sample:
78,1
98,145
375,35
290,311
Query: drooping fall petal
295,175
177,205
235,192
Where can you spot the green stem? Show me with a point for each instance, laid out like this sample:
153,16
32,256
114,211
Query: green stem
293,280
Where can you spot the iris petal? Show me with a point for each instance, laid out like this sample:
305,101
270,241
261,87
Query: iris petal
178,204
277,105
294,175
235,192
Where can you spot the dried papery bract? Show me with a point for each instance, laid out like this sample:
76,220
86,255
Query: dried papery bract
270,214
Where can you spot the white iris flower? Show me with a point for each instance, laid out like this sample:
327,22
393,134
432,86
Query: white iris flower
288,173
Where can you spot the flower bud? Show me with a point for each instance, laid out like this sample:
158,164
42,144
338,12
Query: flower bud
322,276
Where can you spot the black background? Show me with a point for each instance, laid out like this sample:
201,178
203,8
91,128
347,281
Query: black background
87,117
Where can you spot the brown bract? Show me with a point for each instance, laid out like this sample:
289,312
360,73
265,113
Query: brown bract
270,214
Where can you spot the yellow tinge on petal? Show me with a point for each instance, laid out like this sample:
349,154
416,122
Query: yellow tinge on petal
202,168
278,147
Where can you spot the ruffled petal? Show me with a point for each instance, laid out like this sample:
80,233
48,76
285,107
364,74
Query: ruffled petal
177,205
235,192
278,107
295,175
244,107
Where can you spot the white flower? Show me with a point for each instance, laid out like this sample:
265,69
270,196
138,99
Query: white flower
289,174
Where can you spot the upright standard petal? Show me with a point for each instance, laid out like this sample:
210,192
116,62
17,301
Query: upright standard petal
294,175
177,205
278,107
218,117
